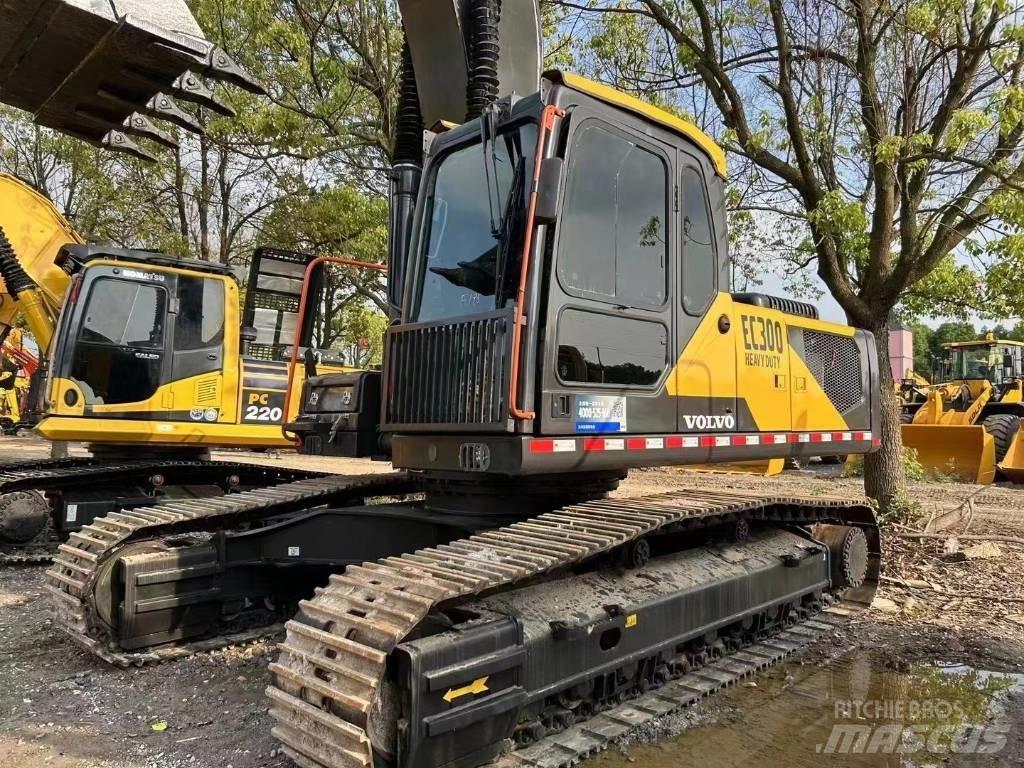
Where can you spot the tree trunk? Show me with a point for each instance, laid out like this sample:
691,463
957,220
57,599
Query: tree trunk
884,476
204,198
179,196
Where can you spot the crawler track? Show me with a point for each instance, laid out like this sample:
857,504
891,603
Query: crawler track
585,739
75,568
57,474
328,683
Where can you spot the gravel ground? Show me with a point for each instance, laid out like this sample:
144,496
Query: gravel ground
60,707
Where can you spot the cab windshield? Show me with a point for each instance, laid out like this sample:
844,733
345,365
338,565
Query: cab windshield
997,363
469,247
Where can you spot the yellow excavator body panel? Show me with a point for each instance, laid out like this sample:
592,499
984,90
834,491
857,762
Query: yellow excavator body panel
183,413
36,230
224,399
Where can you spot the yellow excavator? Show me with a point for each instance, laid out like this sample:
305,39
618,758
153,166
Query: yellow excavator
559,273
145,364
967,425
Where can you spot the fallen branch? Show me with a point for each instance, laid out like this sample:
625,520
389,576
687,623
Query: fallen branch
962,537
964,595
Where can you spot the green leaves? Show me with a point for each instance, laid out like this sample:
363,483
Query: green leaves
965,125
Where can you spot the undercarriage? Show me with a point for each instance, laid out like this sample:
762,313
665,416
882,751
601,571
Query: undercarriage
429,637
43,502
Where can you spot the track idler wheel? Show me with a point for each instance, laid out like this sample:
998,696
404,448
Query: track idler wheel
635,554
848,553
23,516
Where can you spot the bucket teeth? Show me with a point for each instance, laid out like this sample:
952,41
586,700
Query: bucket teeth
143,127
85,68
190,87
118,141
224,68
164,107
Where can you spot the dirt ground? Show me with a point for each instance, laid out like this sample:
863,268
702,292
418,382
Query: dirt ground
60,707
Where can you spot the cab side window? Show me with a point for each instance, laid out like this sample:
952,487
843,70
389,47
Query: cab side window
613,241
699,262
200,320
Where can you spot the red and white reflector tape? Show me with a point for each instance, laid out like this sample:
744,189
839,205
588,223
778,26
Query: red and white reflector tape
675,442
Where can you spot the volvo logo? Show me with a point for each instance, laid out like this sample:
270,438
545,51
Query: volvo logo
703,421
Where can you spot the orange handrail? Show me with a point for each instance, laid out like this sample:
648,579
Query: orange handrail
546,124
303,301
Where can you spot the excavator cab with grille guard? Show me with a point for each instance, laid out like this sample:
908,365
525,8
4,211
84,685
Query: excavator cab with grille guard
566,308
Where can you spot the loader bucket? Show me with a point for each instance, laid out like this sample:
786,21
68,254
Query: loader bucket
760,467
1012,465
966,452
100,69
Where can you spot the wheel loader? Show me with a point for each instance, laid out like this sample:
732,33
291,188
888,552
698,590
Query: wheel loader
967,425
558,274
143,364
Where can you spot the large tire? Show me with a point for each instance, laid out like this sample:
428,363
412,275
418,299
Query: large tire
906,418
841,459
1002,427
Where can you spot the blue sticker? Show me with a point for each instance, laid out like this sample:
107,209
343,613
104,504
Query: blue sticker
600,414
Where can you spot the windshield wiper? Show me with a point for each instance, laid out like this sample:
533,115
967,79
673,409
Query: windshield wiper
488,130
486,273
510,219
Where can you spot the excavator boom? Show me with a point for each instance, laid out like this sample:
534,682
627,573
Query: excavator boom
100,69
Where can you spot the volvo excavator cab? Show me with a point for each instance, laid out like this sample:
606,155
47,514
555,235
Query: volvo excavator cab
566,308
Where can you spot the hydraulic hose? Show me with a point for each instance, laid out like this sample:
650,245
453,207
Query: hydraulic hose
15,277
409,119
23,289
482,86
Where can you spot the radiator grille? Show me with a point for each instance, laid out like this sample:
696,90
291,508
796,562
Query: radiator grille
835,362
449,373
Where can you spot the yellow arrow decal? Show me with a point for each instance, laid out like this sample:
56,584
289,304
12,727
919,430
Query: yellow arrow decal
477,686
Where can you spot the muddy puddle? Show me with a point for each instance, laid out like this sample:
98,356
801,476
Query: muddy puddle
849,713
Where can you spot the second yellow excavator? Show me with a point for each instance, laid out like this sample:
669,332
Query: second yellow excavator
143,364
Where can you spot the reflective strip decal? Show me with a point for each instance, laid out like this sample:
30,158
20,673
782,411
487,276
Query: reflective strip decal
675,442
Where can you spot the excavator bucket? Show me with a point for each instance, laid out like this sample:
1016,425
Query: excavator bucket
1012,465
967,452
101,69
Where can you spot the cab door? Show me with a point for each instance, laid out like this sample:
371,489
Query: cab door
609,329
704,378
198,359
116,357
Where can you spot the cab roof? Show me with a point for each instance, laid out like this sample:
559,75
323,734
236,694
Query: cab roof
983,343
73,257
630,103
